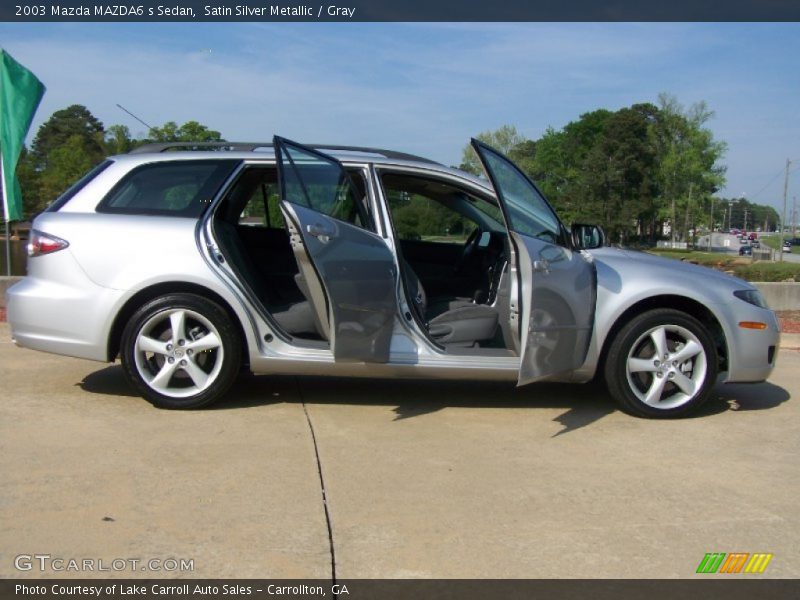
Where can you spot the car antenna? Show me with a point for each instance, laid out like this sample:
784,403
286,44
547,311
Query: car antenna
134,116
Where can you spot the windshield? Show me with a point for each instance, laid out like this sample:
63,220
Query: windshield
527,211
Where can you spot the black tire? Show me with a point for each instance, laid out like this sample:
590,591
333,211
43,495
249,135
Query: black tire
181,351
643,383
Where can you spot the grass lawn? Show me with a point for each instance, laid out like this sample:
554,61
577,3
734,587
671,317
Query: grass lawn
773,241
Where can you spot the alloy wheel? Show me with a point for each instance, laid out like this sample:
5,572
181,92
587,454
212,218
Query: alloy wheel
178,353
666,366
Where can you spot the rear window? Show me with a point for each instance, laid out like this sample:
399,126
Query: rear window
181,188
78,186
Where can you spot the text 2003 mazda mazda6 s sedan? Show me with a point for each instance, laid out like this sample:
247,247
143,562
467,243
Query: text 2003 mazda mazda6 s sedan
191,263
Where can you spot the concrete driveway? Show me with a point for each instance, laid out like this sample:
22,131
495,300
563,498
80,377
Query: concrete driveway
434,480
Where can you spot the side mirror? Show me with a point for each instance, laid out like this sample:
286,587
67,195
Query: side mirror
587,237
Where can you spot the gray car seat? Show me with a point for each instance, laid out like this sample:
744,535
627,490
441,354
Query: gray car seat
457,322
296,319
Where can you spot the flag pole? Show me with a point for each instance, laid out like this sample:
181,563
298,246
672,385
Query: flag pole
5,214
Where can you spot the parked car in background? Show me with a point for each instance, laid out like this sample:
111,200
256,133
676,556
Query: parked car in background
191,261
755,244
746,250
787,247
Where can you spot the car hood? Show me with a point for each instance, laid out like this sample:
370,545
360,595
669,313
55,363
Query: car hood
643,267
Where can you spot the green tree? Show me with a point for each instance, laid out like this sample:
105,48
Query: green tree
564,161
191,131
618,174
626,169
29,183
688,156
65,165
745,215
67,145
73,140
118,140
524,155
503,140
73,121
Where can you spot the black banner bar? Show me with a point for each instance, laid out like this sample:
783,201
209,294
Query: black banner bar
397,10
716,586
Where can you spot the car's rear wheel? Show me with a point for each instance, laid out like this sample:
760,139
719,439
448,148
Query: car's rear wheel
181,351
662,364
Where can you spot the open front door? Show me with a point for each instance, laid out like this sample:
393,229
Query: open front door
557,284
347,272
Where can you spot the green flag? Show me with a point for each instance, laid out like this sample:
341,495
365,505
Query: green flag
20,94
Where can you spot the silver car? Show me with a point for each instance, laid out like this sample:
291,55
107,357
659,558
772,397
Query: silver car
193,261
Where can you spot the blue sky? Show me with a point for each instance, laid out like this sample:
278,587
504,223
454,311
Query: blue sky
426,88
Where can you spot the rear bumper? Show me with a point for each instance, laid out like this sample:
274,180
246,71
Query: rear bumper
69,319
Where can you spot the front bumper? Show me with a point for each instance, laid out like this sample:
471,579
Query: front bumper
752,353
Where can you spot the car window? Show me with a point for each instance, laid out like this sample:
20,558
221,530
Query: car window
179,188
527,210
321,184
432,210
257,192
261,207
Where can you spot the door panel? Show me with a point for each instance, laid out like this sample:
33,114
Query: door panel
350,272
308,281
558,288
558,285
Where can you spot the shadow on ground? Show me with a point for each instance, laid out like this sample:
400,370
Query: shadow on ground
743,397
247,391
583,404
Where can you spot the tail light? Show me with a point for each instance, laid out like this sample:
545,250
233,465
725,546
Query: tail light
43,243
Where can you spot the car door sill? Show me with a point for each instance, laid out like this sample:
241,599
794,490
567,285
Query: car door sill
405,365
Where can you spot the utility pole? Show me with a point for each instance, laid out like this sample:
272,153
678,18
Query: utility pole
686,220
730,211
672,223
785,201
744,227
711,226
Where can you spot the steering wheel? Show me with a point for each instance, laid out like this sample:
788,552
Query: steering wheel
470,246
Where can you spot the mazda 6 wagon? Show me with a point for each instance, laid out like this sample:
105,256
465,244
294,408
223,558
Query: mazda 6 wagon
191,262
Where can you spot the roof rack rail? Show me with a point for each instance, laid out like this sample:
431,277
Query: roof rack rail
228,146
253,146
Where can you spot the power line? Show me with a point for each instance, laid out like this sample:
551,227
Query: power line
771,181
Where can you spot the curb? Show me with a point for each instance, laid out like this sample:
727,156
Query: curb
790,341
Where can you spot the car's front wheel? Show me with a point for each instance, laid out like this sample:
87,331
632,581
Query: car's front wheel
662,364
181,351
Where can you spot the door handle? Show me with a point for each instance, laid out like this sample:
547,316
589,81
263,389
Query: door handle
319,231
541,266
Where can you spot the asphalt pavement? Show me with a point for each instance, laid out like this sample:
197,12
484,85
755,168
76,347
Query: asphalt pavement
422,479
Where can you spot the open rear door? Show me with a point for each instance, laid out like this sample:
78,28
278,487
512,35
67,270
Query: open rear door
347,272
557,284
